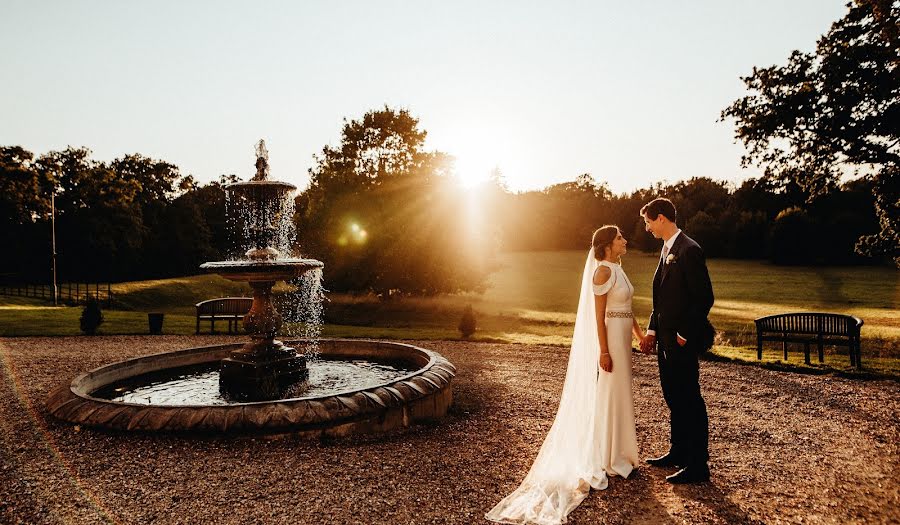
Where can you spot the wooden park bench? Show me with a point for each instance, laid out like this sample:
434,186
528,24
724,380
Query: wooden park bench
232,309
811,327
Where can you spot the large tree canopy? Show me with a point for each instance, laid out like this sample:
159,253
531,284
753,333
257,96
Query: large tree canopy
833,112
386,216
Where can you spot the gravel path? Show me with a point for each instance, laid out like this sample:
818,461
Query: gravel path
786,448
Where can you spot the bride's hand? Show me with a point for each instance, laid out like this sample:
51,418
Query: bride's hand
648,344
606,362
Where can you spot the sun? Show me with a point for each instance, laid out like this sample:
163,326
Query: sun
474,168
478,147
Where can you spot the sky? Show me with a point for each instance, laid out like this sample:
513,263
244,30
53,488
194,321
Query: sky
629,92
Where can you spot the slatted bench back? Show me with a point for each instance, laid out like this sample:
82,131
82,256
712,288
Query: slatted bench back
225,306
810,323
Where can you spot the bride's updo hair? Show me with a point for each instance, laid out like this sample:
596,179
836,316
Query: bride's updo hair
603,238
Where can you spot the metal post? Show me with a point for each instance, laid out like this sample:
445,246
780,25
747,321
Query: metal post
53,223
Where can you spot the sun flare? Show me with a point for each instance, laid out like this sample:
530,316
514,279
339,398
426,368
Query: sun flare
473,168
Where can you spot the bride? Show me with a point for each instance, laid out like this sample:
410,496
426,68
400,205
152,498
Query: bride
593,435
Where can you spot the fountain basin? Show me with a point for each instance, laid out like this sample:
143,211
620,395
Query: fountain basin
424,394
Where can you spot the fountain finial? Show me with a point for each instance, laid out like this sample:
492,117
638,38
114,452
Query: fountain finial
262,161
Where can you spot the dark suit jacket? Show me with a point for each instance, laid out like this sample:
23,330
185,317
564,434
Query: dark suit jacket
682,295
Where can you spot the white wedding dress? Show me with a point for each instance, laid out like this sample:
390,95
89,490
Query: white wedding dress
593,435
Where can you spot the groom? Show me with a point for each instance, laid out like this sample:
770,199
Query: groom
682,297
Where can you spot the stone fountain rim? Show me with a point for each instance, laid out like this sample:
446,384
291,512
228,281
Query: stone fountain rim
433,359
422,395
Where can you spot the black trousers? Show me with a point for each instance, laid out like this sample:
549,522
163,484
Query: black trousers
679,374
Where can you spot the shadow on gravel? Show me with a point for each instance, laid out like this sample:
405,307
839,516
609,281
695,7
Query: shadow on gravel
717,501
645,508
813,370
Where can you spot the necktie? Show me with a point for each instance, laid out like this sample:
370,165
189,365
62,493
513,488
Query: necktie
665,252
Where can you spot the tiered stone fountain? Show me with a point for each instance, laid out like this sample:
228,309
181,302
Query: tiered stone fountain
263,385
264,368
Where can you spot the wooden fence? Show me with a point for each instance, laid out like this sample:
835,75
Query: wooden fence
69,293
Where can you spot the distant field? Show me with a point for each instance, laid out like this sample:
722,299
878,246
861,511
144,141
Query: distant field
535,294
531,299
545,286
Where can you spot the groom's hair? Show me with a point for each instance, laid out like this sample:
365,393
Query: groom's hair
661,206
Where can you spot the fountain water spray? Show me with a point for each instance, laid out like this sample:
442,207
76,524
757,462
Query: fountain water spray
302,309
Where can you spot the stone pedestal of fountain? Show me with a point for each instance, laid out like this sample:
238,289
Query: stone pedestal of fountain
261,378
264,368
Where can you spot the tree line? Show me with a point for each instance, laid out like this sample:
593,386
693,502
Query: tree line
132,218
755,220
407,226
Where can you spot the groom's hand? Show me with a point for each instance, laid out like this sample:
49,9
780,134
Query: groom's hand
648,344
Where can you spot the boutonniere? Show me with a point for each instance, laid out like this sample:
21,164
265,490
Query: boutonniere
671,259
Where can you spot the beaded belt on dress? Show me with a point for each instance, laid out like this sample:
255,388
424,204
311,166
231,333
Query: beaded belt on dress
627,315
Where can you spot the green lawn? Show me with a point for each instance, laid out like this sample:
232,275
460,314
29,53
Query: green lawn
531,299
534,296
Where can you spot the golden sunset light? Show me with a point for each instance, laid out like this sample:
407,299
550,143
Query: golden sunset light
460,262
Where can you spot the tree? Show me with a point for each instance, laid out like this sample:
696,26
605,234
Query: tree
698,194
708,232
180,241
24,210
793,237
887,206
832,112
158,180
381,146
747,237
173,238
100,227
211,203
384,214
24,192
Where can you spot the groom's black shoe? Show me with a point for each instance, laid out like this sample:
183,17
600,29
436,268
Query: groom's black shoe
668,460
697,474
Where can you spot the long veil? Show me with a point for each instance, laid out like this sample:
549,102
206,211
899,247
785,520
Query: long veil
568,463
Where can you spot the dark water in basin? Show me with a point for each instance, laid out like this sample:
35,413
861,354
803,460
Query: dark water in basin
199,385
